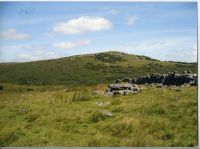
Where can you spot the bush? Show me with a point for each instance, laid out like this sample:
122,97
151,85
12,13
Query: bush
97,116
109,58
29,89
31,117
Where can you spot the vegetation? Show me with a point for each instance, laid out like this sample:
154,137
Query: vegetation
54,103
87,69
69,116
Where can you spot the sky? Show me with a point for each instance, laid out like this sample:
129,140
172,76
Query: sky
31,31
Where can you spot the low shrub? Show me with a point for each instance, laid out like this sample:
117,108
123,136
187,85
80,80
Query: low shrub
116,101
118,109
9,135
29,89
142,140
100,140
123,128
97,116
31,117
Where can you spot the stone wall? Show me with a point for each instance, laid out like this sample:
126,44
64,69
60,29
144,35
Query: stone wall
172,78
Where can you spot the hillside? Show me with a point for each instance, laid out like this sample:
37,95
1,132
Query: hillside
87,69
40,113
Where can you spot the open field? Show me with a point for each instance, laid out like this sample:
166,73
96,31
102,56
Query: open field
69,116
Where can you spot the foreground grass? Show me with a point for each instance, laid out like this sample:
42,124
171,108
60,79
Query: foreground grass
61,116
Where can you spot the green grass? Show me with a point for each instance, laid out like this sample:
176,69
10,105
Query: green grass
87,69
69,116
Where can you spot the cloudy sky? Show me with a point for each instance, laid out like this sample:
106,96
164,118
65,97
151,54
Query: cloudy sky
43,30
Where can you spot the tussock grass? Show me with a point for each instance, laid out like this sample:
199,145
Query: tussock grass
98,116
73,96
98,140
124,128
82,95
71,117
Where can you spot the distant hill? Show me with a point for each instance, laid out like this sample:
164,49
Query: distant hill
87,69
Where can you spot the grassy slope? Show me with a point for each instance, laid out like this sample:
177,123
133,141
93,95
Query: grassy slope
86,69
62,116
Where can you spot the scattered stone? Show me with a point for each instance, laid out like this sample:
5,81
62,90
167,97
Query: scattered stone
97,93
128,92
117,93
108,93
141,88
121,92
106,113
102,104
24,110
159,85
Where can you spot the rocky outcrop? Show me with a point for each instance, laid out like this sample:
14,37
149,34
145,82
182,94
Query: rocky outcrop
172,78
122,89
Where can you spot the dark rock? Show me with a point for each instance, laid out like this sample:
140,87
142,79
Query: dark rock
172,78
159,86
122,89
128,80
117,81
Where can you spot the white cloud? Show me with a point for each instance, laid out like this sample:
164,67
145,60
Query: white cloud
49,35
132,20
82,25
24,53
32,47
37,55
12,34
169,49
24,56
188,55
71,45
150,45
114,12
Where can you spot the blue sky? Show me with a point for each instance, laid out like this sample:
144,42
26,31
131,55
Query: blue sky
32,31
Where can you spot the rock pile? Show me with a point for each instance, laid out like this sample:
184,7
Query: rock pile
172,78
122,89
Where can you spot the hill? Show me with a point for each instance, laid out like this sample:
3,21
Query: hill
87,69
